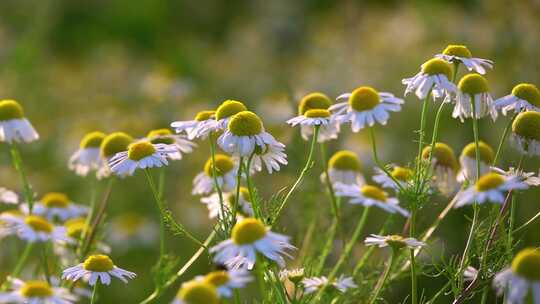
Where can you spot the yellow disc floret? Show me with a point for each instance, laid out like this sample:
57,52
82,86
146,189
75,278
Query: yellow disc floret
344,160
527,125
92,140
245,123
75,227
98,263
458,50
489,181
313,101
36,289
317,113
395,241
114,143
217,278
10,109
373,192
244,194
140,150
247,231
526,264
528,92
364,98
204,115
473,84
486,152
437,66
401,173
229,108
38,223
160,136
443,154
55,200
198,292
224,164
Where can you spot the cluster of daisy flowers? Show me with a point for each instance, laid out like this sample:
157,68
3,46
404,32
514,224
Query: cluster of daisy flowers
244,244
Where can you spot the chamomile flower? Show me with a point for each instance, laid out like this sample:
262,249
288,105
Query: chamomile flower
272,156
226,281
36,292
365,106
111,145
401,174
444,166
229,199
9,220
473,88
131,229
313,110
56,205
521,278
456,53
467,160
295,275
14,127
249,236
226,170
469,274
528,178
33,228
87,158
368,195
526,132
199,127
490,187
141,155
227,110
8,197
165,136
341,284
344,167
394,241
434,76
97,267
524,97
197,292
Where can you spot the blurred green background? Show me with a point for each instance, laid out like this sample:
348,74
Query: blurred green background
78,66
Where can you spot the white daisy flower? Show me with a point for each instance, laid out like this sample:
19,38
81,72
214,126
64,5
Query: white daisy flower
8,197
364,107
88,157
165,136
524,97
341,284
394,241
490,187
444,166
473,88
35,228
272,156
36,292
400,174
521,278
249,237
131,230
197,292
526,132
316,101
344,167
97,267
226,111
14,127
245,131
467,160
528,178
226,281
469,274
56,205
368,195
229,198
112,144
461,54
9,220
434,77
311,118
199,127
295,275
226,171
141,155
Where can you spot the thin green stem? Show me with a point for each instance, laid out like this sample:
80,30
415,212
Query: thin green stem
384,277
376,159
503,139
331,193
238,186
251,189
433,140
259,273
214,178
161,219
18,165
90,215
44,260
476,139
20,263
414,279
94,293
421,136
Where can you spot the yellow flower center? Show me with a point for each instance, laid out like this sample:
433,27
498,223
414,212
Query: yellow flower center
317,113
114,143
473,84
527,125
528,92
75,227
313,101
296,275
38,224
443,154
437,66
36,289
160,136
527,264
458,50
217,278
486,152
92,140
373,192
98,263
248,231
245,123
364,98
395,241
229,108
489,181
344,160
204,115
10,109
402,174
140,150
244,194
197,292
224,164
55,200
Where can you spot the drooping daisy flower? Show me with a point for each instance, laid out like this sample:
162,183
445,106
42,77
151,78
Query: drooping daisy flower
473,88
434,76
14,127
87,158
490,187
526,132
8,197
131,229
56,205
97,267
227,110
368,195
272,156
364,107
226,171
524,97
529,178
310,114
461,54
401,174
467,160
444,166
226,281
394,241
341,284
113,143
521,278
36,292
165,136
295,275
197,292
229,198
249,236
141,155
199,127
35,228
344,167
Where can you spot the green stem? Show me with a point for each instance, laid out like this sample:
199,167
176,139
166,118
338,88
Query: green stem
238,186
376,159
161,219
94,293
476,139
251,189
259,272
414,279
332,194
421,136
503,139
433,139
44,259
20,263
214,177
90,215
384,277
18,165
